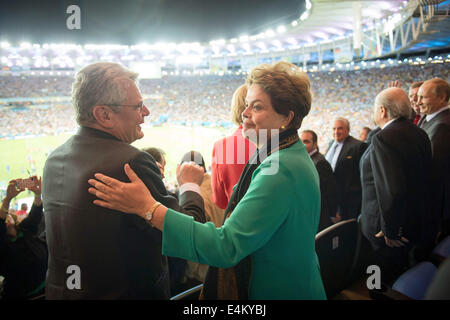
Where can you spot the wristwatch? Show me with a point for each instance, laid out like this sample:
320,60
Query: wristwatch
149,214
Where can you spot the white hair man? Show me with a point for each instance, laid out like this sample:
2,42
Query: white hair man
107,255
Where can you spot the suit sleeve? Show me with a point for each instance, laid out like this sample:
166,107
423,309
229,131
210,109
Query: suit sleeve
390,186
190,203
218,189
328,186
242,234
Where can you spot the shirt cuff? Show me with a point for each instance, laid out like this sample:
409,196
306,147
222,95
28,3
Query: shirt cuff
190,186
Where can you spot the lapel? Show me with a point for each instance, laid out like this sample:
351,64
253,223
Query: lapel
344,151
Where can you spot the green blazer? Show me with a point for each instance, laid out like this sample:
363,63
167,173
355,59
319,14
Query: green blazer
275,222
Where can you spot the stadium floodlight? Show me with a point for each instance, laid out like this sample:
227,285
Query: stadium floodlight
243,39
231,48
219,42
269,33
234,40
261,35
5,45
308,4
294,23
25,45
253,38
304,16
281,29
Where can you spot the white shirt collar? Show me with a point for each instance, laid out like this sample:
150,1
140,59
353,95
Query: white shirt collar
388,123
312,152
434,114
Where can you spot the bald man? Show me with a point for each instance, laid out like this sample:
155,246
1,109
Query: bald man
433,99
395,172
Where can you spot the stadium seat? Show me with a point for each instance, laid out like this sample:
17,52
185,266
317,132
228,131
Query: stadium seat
439,288
415,282
190,294
336,248
443,248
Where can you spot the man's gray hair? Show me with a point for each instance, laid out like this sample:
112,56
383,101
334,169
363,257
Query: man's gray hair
396,102
100,83
345,121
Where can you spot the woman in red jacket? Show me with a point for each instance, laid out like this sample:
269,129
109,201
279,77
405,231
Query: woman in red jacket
230,154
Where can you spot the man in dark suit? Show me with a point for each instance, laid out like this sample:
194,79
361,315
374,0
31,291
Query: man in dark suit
328,188
395,178
97,253
344,154
433,102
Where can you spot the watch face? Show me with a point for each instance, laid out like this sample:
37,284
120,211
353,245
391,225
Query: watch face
148,216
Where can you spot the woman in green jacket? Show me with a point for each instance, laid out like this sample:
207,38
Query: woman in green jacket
265,248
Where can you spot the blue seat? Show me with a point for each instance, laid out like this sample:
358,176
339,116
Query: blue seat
415,282
443,248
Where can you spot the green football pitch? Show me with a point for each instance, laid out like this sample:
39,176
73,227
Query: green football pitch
23,156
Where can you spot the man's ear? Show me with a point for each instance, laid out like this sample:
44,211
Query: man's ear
103,116
383,112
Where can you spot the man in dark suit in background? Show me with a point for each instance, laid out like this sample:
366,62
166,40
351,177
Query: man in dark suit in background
328,188
344,154
395,173
94,252
433,98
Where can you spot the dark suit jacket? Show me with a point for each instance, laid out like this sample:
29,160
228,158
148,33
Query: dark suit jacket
328,190
119,254
371,134
347,177
438,130
395,173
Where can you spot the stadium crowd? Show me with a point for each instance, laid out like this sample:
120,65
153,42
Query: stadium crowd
395,181
204,100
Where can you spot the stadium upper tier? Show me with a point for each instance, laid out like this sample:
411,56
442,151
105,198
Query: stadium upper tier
201,100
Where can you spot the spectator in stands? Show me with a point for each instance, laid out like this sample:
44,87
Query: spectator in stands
364,134
413,89
395,172
110,111
159,156
23,255
328,188
344,153
196,272
433,99
274,212
23,210
230,154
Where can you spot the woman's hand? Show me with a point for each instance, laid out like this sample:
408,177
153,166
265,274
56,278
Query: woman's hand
133,197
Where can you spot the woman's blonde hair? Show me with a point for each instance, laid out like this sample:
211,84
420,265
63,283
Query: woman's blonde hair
238,104
287,86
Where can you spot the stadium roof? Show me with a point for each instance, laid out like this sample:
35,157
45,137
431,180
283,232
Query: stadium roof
138,21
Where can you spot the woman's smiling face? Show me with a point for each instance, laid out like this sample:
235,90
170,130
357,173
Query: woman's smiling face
259,117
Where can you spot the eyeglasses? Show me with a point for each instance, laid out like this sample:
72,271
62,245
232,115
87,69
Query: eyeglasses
138,107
